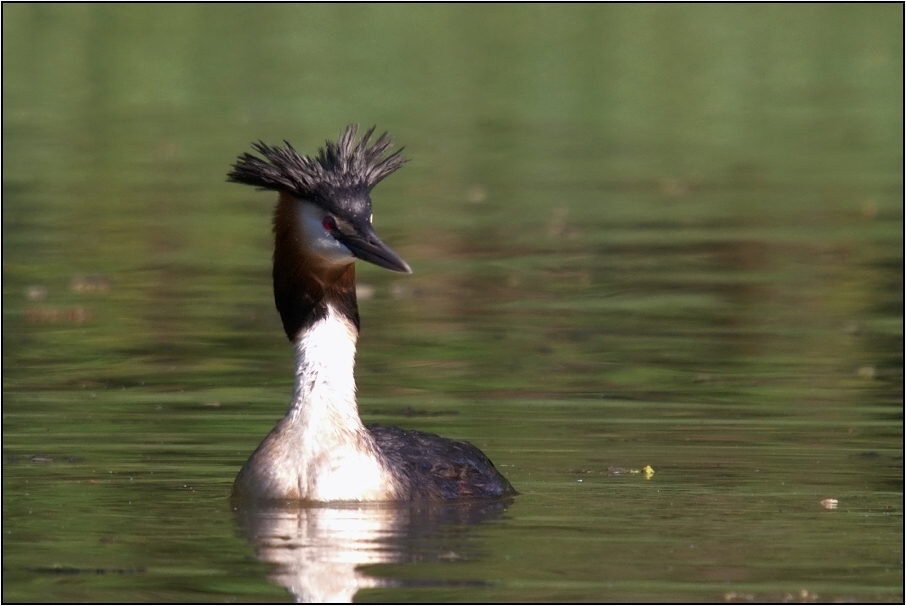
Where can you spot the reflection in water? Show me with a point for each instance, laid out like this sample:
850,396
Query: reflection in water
316,550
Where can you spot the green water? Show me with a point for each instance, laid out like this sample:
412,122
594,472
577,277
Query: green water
641,235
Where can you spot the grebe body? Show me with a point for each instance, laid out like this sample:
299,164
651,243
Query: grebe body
321,450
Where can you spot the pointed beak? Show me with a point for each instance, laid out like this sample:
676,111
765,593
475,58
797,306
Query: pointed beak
368,247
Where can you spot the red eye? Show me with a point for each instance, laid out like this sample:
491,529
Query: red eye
329,223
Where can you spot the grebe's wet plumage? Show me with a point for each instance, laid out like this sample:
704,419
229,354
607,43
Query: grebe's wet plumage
321,451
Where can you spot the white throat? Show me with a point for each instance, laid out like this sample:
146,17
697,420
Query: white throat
325,379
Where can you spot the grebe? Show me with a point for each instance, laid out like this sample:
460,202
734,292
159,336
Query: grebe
321,451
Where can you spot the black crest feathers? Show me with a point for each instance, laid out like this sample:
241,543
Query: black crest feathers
346,164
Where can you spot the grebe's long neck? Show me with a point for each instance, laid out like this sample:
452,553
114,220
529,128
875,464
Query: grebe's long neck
323,403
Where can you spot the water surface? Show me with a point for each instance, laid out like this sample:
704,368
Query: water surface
641,235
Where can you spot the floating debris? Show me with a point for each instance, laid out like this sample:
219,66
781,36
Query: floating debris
866,372
35,292
617,471
613,470
46,315
803,596
89,284
450,556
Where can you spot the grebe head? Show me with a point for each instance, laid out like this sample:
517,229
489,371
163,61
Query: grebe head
322,223
332,195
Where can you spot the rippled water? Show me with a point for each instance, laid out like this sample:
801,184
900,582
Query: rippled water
641,235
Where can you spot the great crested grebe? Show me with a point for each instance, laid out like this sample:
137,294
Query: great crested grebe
321,451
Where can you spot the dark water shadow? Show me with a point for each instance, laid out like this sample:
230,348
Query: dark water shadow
316,550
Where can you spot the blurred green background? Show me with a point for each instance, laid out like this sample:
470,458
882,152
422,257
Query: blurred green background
641,234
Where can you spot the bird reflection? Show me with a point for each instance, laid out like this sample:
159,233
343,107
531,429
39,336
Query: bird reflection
316,550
